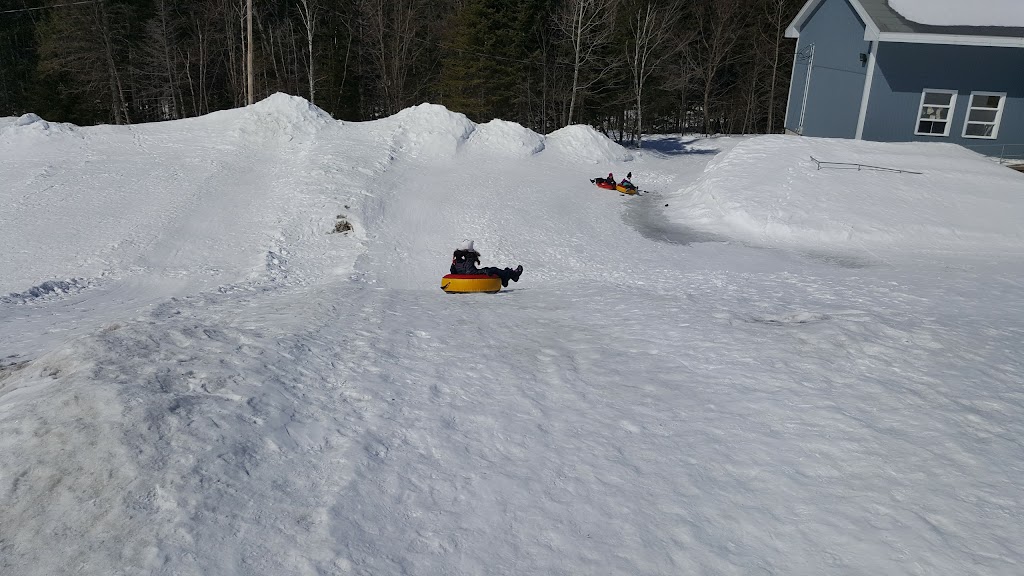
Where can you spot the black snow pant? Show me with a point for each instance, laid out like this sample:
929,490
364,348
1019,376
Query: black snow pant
505,274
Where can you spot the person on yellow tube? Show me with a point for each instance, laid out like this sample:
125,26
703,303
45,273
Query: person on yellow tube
465,259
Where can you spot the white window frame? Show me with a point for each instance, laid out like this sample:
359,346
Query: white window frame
997,122
948,120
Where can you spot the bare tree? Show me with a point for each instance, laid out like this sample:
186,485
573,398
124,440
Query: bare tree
392,41
308,11
158,64
650,27
682,71
88,43
778,14
249,90
199,54
751,90
588,26
232,42
720,24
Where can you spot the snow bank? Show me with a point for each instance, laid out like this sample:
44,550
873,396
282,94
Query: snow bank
429,131
584,144
506,139
961,13
768,190
31,125
283,116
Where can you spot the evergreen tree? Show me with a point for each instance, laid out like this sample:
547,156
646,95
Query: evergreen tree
18,58
485,62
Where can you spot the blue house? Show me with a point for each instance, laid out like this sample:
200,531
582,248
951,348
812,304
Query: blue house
863,71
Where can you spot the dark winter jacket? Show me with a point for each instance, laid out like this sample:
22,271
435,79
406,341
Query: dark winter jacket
464,262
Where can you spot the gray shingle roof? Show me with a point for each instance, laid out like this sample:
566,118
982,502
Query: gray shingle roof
888,20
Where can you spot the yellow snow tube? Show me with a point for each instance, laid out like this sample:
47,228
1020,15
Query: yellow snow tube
625,189
469,283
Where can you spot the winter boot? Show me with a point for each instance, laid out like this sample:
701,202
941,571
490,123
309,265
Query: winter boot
517,273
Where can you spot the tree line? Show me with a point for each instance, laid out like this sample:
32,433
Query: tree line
626,66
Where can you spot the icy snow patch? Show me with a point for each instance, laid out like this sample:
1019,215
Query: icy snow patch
506,139
961,13
768,190
48,290
584,144
283,116
429,131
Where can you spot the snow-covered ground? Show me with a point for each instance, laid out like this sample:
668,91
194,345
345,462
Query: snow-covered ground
755,368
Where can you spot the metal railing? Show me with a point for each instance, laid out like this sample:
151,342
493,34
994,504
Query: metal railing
1002,153
854,166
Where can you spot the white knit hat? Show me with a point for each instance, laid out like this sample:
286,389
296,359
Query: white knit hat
467,245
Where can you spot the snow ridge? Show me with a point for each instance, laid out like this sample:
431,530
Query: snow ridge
428,132
286,117
32,126
505,139
579,143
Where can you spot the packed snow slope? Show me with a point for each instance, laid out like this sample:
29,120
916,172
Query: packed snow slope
907,198
756,367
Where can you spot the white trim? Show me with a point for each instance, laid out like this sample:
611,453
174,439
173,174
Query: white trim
871,31
953,39
998,120
872,56
793,30
949,116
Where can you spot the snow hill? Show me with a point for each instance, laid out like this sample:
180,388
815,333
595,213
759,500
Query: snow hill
902,197
223,350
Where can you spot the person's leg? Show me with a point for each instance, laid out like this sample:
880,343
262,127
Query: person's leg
504,273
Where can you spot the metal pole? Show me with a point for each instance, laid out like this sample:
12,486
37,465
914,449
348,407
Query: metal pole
807,88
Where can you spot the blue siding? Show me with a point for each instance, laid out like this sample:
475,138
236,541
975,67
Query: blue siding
837,75
904,70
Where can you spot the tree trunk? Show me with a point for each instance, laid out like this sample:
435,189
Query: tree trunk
250,91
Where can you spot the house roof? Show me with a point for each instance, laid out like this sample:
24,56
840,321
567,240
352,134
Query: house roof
884,24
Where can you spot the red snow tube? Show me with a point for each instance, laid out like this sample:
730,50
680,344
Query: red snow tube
602,183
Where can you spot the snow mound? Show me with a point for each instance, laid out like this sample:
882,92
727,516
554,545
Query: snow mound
32,125
284,116
429,131
585,144
960,13
767,190
506,139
